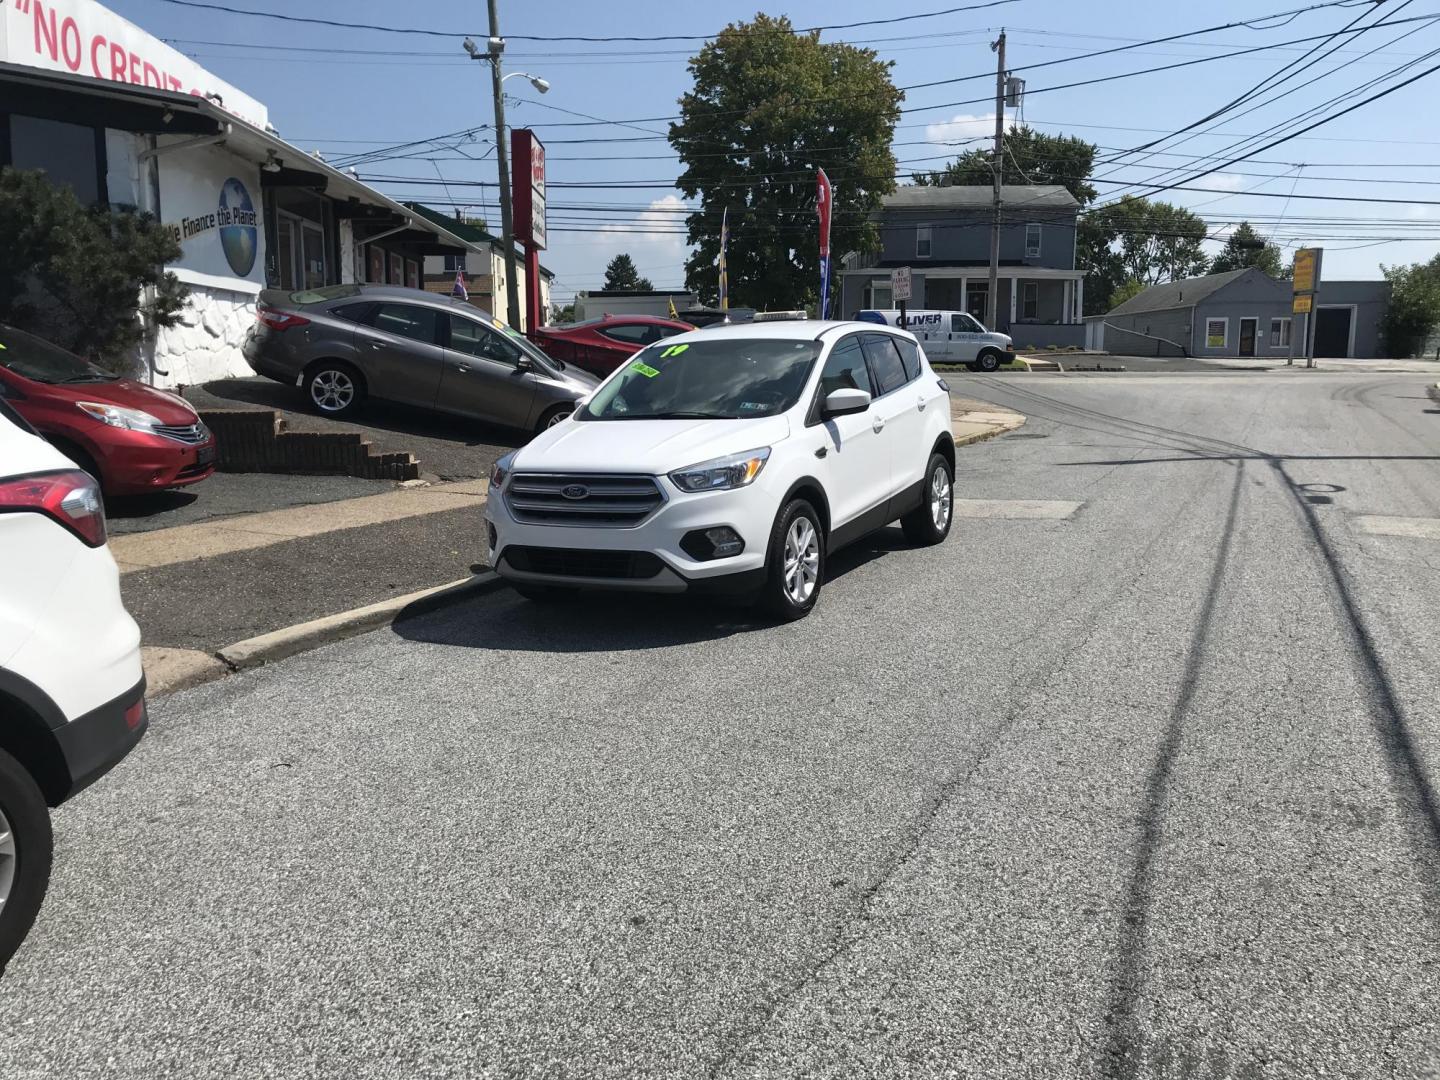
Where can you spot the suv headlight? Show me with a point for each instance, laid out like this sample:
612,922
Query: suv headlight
500,471
718,474
115,416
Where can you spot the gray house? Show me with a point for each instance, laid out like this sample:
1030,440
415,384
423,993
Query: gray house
943,235
1240,313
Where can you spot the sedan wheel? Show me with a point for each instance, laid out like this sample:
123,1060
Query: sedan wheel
335,389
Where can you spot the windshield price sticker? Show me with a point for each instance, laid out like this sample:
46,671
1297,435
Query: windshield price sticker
645,369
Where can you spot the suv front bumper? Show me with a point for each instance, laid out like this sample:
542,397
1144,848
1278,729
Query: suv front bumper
647,557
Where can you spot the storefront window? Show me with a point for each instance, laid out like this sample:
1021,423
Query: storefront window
68,153
376,275
397,270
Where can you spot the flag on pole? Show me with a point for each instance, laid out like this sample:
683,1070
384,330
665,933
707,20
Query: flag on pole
673,313
724,273
459,290
823,200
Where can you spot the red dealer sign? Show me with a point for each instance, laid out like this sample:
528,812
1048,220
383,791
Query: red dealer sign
527,183
83,38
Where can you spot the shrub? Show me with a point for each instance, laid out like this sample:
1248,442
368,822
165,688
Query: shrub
75,274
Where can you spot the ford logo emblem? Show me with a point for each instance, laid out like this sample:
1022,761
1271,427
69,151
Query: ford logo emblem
575,491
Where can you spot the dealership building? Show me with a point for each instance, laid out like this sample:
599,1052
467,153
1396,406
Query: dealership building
123,119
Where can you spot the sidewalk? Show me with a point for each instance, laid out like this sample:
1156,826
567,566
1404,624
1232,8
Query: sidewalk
199,589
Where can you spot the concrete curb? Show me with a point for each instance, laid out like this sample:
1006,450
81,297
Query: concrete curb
177,669
278,644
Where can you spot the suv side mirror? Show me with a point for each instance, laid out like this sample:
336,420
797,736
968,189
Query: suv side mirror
844,402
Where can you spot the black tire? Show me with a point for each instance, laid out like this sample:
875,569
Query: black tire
551,417
27,820
775,595
920,525
334,388
987,360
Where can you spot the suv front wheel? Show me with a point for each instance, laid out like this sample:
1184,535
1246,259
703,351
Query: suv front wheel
25,854
795,567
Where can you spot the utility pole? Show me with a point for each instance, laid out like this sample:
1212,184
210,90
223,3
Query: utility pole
502,159
992,297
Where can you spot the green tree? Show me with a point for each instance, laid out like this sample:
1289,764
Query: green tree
1135,238
74,274
1414,308
769,107
621,276
1245,248
562,313
1031,157
1125,290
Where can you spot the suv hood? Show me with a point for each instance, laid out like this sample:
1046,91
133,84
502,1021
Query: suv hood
653,447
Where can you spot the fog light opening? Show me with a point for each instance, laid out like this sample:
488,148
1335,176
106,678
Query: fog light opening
717,542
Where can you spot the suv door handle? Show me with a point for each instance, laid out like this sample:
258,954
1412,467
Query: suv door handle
877,426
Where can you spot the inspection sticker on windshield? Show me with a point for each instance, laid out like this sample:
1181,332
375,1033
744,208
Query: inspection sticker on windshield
644,369
753,406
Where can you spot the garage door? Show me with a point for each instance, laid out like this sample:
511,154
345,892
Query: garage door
1332,331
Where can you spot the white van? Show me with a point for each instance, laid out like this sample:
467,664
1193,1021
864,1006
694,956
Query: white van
950,337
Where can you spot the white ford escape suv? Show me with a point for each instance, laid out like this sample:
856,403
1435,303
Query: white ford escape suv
731,460
72,693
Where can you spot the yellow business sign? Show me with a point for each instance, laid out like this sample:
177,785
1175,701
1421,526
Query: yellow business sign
1302,305
1305,260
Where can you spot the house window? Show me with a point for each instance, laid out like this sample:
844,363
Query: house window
71,155
1030,299
877,295
1279,333
1032,241
454,263
1216,332
922,242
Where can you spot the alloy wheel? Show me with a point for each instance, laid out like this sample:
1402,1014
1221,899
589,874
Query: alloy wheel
332,390
940,498
802,560
7,860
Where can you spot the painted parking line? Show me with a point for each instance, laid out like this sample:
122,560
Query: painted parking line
1016,509
1420,528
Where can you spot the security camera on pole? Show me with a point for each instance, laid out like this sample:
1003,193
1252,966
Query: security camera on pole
494,47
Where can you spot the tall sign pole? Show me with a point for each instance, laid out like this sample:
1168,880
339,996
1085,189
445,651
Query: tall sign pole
723,269
823,206
1305,281
992,297
507,223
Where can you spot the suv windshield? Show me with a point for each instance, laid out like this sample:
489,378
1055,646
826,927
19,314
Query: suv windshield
35,358
727,378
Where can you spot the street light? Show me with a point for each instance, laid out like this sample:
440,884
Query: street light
494,47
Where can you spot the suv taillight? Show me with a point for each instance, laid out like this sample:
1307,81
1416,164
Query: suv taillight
70,498
277,319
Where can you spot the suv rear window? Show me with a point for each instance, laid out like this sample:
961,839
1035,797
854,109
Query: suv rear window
910,357
885,363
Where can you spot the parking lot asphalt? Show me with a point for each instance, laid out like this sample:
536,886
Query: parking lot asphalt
225,495
1140,791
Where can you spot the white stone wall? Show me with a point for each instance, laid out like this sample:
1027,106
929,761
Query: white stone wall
206,344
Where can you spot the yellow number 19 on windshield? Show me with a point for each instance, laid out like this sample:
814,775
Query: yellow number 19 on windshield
673,350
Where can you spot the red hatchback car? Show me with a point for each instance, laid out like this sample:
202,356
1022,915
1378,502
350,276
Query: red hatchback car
602,345
129,436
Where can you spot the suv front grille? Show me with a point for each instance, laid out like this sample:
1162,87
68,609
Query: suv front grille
574,562
582,499
193,434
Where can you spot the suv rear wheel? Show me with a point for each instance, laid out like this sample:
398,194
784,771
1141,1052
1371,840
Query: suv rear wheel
929,523
26,848
795,567
334,388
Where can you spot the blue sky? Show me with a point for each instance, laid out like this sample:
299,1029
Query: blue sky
347,102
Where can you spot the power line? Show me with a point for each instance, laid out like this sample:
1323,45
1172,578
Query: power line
309,20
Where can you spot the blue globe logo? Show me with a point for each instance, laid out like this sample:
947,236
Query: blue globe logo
239,236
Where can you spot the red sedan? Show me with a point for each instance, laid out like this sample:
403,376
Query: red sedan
602,345
129,436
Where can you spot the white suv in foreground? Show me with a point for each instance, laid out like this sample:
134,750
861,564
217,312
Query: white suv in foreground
731,460
72,693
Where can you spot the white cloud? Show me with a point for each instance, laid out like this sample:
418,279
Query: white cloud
653,237
1221,181
960,128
